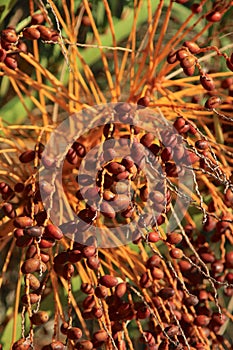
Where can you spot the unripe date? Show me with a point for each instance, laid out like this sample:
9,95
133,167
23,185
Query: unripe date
23,221
54,232
74,333
32,265
39,318
84,345
31,33
100,336
108,281
34,283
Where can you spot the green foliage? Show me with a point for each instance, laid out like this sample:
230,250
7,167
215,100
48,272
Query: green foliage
7,333
5,8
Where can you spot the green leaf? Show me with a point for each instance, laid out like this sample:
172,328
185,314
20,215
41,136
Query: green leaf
122,27
76,283
5,7
7,333
13,112
116,7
